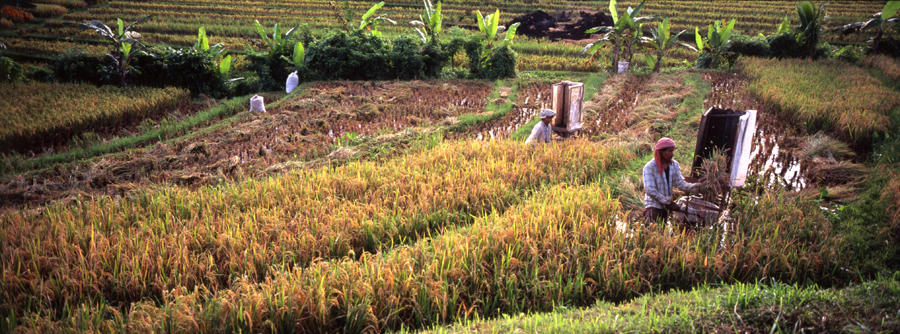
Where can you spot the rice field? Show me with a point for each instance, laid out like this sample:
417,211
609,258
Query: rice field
36,111
562,245
401,206
825,95
231,22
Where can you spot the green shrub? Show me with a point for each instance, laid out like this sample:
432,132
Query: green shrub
77,66
473,49
501,64
271,70
704,60
887,46
355,56
39,73
784,45
10,71
192,69
756,46
435,57
248,85
184,67
270,65
407,58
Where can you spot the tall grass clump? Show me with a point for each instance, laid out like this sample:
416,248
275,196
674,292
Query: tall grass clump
137,248
829,95
563,246
36,112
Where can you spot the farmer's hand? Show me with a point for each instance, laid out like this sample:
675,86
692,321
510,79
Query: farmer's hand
672,207
694,188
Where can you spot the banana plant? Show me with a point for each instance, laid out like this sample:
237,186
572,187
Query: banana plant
718,35
216,52
491,31
785,26
624,34
123,40
810,26
277,41
370,22
880,21
428,26
662,40
298,57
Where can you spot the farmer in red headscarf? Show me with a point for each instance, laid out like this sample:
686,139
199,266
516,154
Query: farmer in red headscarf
660,174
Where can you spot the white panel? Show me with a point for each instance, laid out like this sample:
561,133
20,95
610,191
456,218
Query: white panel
741,161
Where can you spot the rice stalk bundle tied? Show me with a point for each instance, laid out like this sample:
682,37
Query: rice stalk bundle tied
715,180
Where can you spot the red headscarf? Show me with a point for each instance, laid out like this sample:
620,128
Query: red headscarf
663,143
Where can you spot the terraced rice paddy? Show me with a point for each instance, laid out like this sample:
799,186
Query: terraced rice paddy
380,206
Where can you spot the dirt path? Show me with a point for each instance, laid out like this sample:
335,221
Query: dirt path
299,130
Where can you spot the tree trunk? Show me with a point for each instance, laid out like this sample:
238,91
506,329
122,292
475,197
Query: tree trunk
615,60
877,40
659,57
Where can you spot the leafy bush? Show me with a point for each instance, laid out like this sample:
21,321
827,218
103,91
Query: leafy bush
273,65
76,66
501,64
355,56
756,46
435,56
185,67
704,60
39,73
888,46
715,44
784,45
248,85
10,71
811,27
407,59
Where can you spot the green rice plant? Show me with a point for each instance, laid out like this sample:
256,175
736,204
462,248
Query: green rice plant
753,307
830,95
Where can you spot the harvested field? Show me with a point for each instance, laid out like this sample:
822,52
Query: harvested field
618,99
529,102
307,128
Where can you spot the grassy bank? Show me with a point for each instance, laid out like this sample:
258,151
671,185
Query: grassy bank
752,307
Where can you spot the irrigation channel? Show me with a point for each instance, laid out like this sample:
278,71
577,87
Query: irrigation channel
776,141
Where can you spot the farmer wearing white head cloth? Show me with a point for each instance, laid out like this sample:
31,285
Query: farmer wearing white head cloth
541,132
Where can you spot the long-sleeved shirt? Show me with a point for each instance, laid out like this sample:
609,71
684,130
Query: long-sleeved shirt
540,133
658,188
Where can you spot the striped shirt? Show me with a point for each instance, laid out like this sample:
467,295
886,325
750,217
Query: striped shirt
658,189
